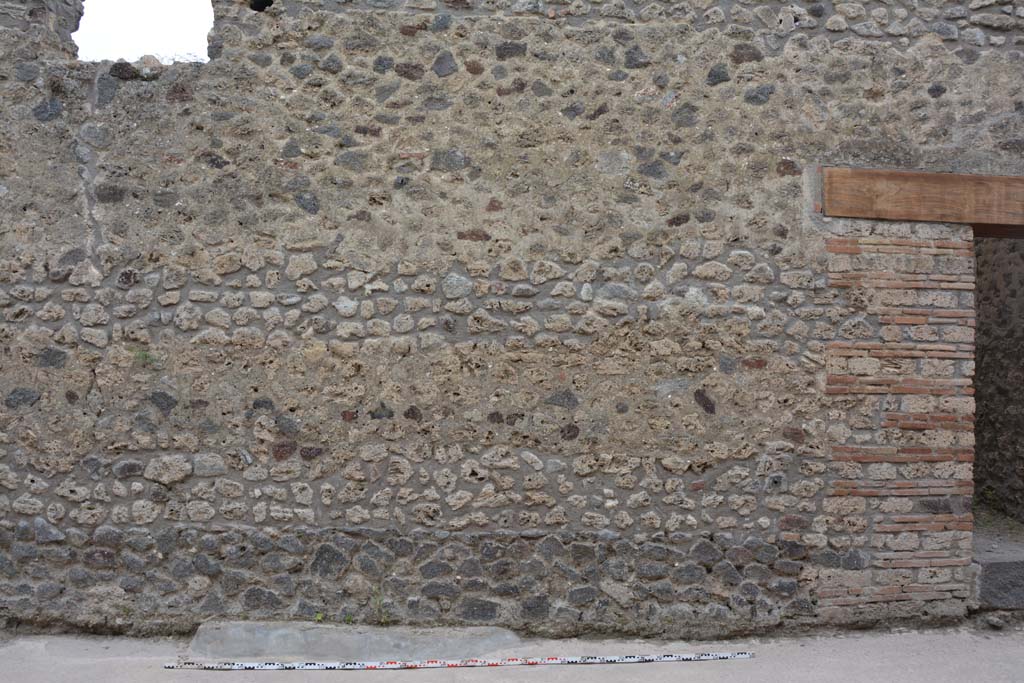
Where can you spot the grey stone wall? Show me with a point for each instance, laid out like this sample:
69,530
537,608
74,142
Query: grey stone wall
467,315
999,470
974,24
44,24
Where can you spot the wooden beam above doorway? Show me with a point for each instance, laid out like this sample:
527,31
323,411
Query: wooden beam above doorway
979,200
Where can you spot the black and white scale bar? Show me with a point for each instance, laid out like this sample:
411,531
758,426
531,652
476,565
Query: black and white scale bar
454,663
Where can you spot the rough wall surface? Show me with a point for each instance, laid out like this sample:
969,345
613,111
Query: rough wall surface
1000,430
455,316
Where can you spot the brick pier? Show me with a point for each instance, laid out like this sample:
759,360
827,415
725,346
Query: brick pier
902,415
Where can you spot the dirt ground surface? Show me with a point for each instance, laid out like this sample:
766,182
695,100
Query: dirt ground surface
967,653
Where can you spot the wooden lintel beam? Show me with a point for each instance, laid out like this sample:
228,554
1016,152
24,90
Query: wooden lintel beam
1008,231
928,197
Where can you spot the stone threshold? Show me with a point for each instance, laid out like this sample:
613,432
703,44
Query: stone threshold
999,550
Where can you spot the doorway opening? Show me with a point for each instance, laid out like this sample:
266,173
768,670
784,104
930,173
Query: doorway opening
999,424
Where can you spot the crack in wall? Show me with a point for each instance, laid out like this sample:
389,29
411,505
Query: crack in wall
87,171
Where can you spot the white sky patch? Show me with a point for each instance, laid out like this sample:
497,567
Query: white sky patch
171,30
